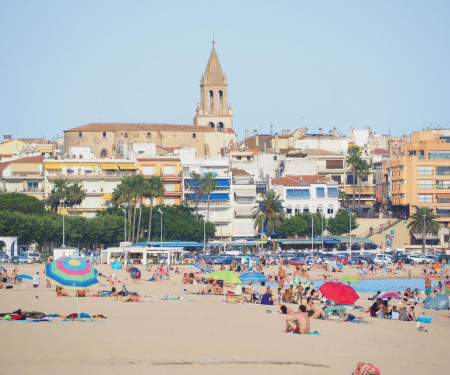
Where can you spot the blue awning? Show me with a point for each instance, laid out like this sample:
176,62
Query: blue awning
221,183
332,192
320,191
213,197
331,242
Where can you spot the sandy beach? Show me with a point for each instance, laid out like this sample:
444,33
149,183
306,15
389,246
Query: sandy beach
204,335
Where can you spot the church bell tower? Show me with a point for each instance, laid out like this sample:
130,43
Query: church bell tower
214,110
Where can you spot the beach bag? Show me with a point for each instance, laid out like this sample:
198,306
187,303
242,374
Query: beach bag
366,369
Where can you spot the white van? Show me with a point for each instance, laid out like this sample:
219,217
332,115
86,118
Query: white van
382,259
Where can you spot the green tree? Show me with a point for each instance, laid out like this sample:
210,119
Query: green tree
75,195
208,185
194,184
58,193
354,160
19,202
362,172
269,214
123,195
153,188
424,220
344,198
340,224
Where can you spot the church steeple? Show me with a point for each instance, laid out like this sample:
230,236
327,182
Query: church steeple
214,110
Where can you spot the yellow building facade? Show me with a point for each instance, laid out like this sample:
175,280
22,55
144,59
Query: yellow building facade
420,175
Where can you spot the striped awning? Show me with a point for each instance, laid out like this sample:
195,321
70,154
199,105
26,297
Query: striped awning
24,167
443,196
128,166
109,166
52,165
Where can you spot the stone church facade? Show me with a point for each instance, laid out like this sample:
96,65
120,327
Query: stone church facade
212,129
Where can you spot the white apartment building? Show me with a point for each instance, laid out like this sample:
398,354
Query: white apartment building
306,193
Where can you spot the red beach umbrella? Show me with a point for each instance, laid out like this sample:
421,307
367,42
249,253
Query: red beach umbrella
339,293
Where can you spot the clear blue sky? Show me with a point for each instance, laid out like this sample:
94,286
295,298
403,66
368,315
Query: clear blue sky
381,63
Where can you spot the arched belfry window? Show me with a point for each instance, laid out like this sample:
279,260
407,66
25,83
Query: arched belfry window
220,126
211,125
211,100
104,153
220,100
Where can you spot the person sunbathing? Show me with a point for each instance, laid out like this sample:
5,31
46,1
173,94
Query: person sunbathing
82,292
288,297
298,323
133,298
60,293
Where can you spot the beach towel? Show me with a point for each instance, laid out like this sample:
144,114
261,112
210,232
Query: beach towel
366,369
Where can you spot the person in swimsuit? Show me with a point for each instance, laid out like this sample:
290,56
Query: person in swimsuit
298,323
427,286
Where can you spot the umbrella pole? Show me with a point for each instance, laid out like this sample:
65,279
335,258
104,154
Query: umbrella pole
78,305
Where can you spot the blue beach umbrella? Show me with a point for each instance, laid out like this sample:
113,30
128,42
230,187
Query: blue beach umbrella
21,276
253,277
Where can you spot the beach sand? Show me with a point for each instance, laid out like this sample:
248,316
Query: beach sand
204,336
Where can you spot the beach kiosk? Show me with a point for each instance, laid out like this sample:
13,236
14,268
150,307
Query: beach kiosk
61,252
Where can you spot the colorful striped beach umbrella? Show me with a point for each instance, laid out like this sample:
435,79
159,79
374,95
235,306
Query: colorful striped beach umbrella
72,273
23,276
390,295
300,280
252,277
349,279
202,266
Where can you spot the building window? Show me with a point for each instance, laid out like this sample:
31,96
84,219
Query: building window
403,167
425,198
442,199
336,178
305,209
403,182
169,170
334,164
289,210
80,134
443,212
32,186
319,208
421,154
443,170
320,192
149,135
104,134
425,170
125,135
439,154
442,184
194,135
425,184
330,209
332,192
220,126
403,195
104,153
211,125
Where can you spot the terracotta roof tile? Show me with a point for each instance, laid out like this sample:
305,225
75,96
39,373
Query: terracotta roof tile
239,172
117,126
290,180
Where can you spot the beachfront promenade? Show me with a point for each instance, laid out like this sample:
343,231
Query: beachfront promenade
203,335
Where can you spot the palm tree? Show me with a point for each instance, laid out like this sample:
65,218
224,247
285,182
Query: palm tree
424,220
362,172
269,213
123,193
194,184
139,182
208,185
153,188
343,196
75,195
353,159
58,193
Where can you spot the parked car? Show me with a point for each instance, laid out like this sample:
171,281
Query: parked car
4,258
297,261
420,258
382,259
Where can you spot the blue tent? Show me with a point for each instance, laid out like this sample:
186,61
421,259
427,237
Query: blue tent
116,265
438,302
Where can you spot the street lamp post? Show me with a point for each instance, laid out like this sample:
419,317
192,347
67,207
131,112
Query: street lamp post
424,239
161,213
312,233
125,223
322,228
204,236
62,201
350,231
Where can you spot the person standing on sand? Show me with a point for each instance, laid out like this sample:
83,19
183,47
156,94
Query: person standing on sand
298,323
427,286
36,280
